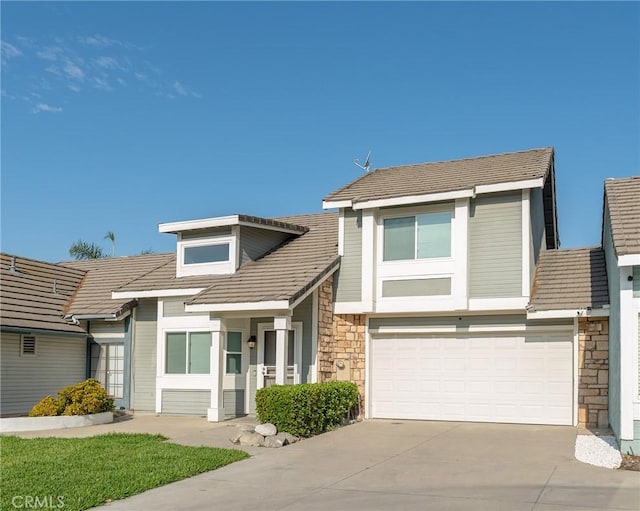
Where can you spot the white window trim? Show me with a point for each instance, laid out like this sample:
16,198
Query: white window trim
186,331
241,353
415,213
35,346
212,268
436,267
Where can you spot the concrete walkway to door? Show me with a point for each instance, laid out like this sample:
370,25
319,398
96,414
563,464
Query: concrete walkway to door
408,465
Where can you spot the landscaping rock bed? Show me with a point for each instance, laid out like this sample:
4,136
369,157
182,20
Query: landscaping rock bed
263,435
601,451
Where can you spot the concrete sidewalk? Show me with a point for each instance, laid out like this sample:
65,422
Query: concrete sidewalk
381,465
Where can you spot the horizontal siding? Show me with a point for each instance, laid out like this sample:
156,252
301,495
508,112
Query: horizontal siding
112,329
187,402
233,403
538,237
416,287
254,242
143,388
174,307
303,313
495,246
349,277
24,380
211,232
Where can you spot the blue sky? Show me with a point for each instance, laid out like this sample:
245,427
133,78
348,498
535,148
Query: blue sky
117,116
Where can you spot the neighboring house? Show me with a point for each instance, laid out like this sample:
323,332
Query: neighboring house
621,242
39,352
438,263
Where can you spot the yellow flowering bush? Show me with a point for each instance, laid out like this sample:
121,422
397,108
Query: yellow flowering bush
82,398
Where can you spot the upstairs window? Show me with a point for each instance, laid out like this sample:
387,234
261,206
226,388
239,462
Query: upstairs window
424,236
206,254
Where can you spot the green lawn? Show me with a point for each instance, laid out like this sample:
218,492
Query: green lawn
84,472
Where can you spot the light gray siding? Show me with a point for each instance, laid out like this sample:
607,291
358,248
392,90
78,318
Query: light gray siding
107,329
464,322
636,281
25,379
416,287
254,242
233,403
613,276
174,307
495,246
143,395
348,280
205,233
538,237
303,313
186,402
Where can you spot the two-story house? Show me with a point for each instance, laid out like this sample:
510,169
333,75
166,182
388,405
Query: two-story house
621,243
438,263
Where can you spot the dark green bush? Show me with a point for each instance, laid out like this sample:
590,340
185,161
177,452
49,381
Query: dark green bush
308,409
82,398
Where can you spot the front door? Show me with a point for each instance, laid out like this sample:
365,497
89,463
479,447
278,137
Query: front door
267,356
108,368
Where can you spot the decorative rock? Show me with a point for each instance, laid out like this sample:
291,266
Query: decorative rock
251,438
274,441
235,439
246,427
287,438
266,429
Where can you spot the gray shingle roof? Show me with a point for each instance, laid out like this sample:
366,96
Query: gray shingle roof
623,201
27,298
285,273
570,279
446,176
164,277
105,275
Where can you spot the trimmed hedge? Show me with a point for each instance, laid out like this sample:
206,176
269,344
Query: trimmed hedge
308,409
82,398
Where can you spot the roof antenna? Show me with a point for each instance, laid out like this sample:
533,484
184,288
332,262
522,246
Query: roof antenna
367,163
55,287
12,269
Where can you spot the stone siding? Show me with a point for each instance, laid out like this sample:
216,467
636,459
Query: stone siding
341,342
593,372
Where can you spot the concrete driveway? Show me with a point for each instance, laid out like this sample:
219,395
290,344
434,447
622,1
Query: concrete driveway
407,465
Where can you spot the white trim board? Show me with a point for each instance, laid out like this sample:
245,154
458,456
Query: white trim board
568,313
220,221
629,260
157,293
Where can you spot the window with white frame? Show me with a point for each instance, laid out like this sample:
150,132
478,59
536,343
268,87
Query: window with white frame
233,357
187,352
423,236
207,256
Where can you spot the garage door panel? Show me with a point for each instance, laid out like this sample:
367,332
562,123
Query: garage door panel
491,379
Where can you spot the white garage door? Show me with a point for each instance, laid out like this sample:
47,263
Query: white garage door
485,379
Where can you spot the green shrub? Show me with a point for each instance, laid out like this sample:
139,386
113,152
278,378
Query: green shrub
308,409
47,407
82,398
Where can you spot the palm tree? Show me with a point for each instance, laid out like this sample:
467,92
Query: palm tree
112,237
83,250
